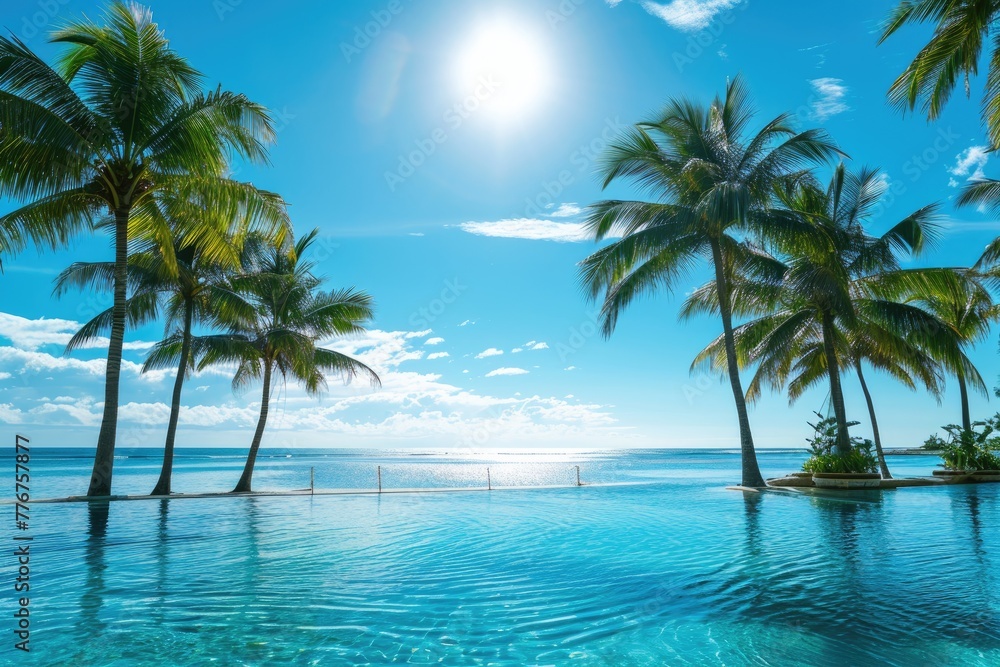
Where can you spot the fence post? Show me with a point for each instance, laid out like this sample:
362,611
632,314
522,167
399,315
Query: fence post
489,483
578,483
380,479
312,481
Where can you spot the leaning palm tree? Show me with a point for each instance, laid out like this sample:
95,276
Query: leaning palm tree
191,295
118,122
707,176
880,345
832,303
961,29
278,318
964,312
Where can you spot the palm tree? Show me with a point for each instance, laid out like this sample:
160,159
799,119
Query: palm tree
277,320
961,28
880,345
832,303
191,296
118,123
707,177
963,312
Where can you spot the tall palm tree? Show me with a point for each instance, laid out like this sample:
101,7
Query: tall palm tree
278,319
119,121
881,346
964,312
961,29
191,295
706,175
831,303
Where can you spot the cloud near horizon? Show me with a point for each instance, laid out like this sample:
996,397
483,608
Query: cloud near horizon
420,404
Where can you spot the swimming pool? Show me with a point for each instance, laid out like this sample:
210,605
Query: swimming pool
676,570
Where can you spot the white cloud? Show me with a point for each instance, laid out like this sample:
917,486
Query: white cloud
570,368
9,414
566,211
491,352
688,15
530,229
5,376
831,94
33,334
970,163
517,350
433,341
540,346
466,323
506,371
420,405
418,334
438,355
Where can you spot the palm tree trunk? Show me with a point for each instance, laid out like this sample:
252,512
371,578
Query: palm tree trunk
871,413
964,392
243,486
100,478
162,487
843,446
751,471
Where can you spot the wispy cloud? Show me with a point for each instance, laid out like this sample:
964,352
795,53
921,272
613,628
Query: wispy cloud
506,371
686,15
831,94
530,229
421,405
970,164
566,211
491,352
33,334
433,341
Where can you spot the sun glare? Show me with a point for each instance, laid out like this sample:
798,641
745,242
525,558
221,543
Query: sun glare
502,70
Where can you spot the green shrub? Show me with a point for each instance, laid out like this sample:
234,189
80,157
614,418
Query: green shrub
825,459
972,450
934,443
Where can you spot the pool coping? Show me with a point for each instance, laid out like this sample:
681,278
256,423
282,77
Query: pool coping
294,493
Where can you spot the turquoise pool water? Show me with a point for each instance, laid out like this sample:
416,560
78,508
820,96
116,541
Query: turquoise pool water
674,571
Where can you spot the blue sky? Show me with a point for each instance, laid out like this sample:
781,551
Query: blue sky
445,150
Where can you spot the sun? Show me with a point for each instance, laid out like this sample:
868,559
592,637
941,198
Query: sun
502,69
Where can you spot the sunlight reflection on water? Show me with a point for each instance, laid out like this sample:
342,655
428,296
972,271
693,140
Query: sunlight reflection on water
678,571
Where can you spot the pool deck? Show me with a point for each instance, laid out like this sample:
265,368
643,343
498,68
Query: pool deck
319,492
